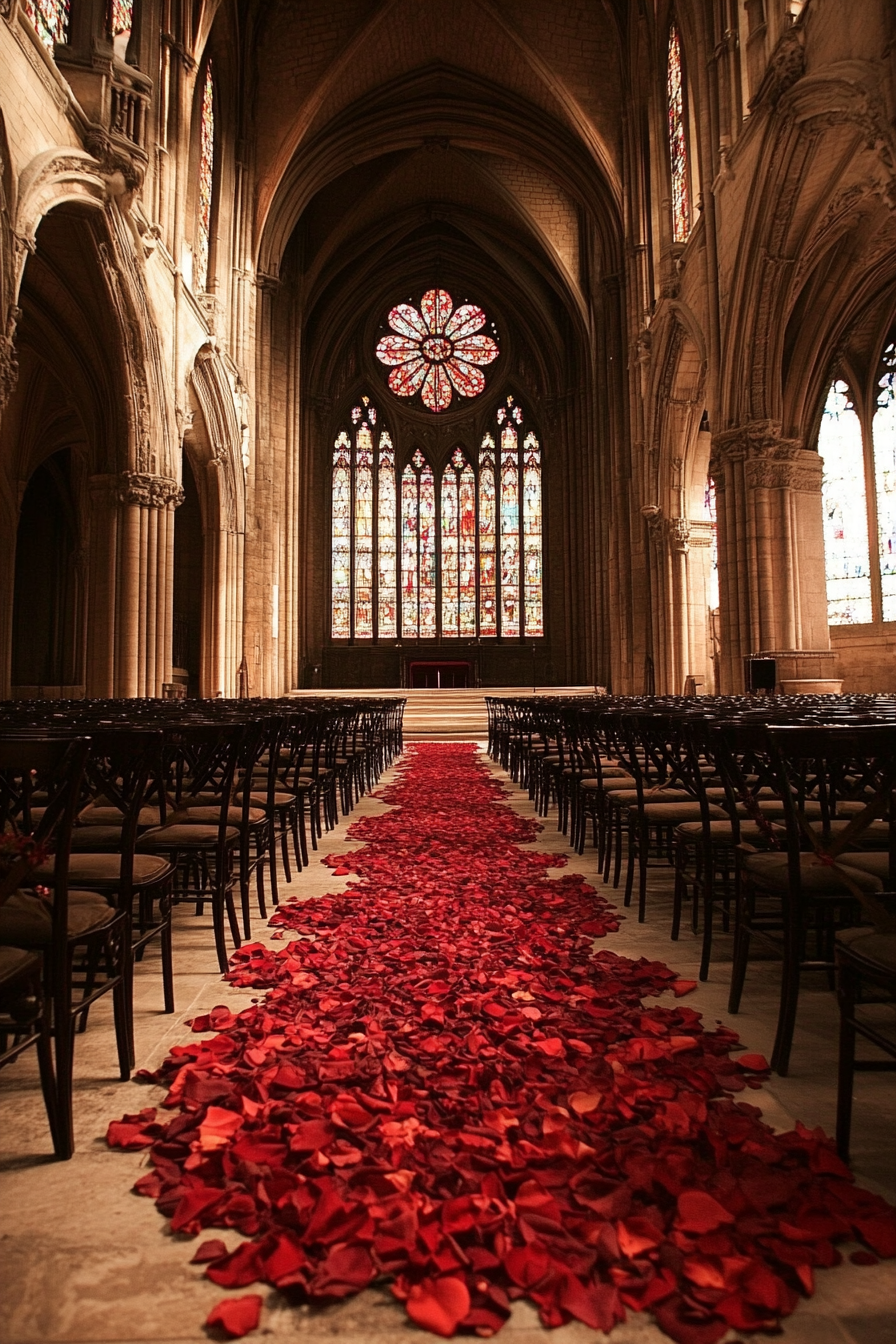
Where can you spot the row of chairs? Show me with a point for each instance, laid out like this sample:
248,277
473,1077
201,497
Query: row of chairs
778,817
113,812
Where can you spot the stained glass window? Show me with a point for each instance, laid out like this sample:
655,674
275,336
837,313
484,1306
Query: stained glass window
678,147
50,19
206,180
532,585
363,530
387,550
435,350
121,16
510,524
488,575
847,560
410,598
883,430
342,538
453,554
710,510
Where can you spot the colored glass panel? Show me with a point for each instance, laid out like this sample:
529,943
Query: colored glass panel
510,532
467,552
427,551
710,510
363,533
121,16
450,553
341,538
883,432
387,548
847,560
678,148
532,537
410,593
436,351
50,19
488,603
206,180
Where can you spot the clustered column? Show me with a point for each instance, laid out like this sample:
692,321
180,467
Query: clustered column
132,578
771,547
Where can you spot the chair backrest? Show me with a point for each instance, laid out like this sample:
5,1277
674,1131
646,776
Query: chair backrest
50,769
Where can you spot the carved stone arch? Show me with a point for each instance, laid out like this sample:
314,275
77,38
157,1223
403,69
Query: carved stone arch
214,398
213,440
823,137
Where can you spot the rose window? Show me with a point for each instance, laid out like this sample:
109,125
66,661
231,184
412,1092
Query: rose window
437,350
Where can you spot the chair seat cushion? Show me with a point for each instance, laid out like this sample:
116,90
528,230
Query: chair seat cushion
877,950
670,813
626,797
96,838
877,863
113,816
280,799
818,879
210,816
26,920
105,869
15,961
185,836
720,832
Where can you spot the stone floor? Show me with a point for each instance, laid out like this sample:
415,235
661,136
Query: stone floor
85,1261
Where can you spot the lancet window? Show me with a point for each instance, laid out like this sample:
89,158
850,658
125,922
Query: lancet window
420,552
678,140
857,442
206,180
50,19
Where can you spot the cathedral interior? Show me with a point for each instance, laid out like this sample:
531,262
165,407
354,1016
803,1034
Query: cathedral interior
677,223
366,345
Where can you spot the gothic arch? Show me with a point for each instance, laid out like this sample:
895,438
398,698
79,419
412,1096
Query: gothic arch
213,442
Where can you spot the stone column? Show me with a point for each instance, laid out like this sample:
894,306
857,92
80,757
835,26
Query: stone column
131,582
771,547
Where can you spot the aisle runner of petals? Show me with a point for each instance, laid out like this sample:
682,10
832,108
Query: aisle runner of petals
446,1089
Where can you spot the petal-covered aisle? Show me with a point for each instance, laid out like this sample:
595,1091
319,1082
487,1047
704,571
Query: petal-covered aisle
450,1089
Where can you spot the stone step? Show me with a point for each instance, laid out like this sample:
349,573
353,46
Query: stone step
447,715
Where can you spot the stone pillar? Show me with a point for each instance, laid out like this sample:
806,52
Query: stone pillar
131,584
771,546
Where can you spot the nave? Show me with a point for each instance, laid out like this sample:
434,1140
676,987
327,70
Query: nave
112,1269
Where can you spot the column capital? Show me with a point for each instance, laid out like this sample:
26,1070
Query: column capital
770,461
137,487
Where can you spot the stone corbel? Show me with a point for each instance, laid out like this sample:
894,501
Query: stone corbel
786,66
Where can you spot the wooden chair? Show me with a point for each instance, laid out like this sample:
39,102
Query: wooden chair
866,972
84,936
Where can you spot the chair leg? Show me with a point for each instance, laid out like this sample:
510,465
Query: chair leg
644,853
64,1029
790,990
741,952
846,1064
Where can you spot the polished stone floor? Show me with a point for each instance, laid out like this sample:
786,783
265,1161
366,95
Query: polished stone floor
85,1261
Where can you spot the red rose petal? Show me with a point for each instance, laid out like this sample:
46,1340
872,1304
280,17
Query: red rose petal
236,1315
439,1305
391,1107
699,1212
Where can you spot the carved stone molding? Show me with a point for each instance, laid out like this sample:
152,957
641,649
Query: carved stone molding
112,159
9,364
786,66
153,492
770,461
